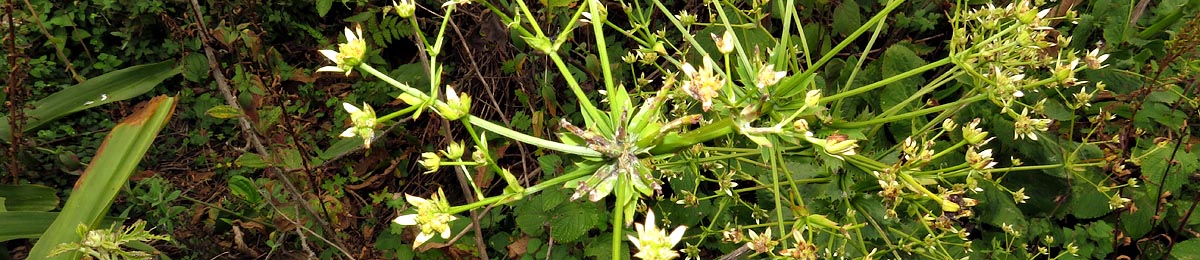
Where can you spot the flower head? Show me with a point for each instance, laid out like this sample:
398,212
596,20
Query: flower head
1027,127
653,243
349,54
803,250
364,123
1094,59
768,76
702,84
761,243
980,161
975,135
432,217
405,8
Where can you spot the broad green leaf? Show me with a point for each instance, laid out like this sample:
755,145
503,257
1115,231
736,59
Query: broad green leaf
108,172
244,187
1169,173
341,147
28,198
1187,250
1137,223
997,207
224,112
1086,202
323,7
111,87
572,221
848,18
24,224
251,160
899,59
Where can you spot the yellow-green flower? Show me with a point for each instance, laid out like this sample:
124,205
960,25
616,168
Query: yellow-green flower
432,217
702,84
767,76
653,243
349,54
364,123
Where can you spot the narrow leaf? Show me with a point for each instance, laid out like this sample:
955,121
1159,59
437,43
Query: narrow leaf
111,87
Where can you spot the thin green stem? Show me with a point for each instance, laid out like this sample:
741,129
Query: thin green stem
910,115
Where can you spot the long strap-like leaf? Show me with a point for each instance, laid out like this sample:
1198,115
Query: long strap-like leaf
104,177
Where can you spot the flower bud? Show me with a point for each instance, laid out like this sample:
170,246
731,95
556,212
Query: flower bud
725,42
454,150
813,98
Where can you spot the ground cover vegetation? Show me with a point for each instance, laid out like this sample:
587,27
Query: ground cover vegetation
589,129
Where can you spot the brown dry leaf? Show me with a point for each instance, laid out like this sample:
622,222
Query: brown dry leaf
517,248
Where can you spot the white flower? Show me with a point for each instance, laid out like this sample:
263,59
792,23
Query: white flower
654,243
432,217
768,76
702,84
980,160
1095,60
349,54
364,123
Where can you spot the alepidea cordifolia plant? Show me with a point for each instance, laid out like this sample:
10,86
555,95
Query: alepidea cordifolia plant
798,160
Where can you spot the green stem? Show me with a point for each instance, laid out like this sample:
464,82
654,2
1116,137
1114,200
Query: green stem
482,123
503,198
672,143
618,213
885,82
910,115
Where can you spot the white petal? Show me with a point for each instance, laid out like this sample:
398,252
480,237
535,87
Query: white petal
330,69
330,54
637,244
350,35
446,233
351,108
407,220
348,133
415,201
421,238
677,235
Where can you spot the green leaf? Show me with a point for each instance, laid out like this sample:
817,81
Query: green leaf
292,158
323,7
24,224
1137,224
31,197
997,207
1186,250
572,221
244,187
251,160
531,223
108,172
1086,201
111,87
899,59
1156,164
224,112
848,18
